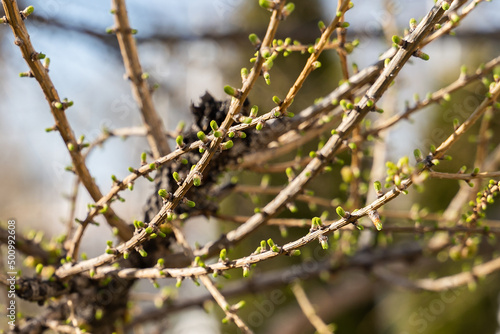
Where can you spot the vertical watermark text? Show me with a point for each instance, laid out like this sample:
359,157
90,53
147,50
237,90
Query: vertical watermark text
11,273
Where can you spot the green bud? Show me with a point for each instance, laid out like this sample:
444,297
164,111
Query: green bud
213,125
229,90
417,154
196,180
259,126
295,252
246,271
396,40
289,8
270,242
316,223
189,203
239,305
177,177
199,262
223,254
179,141
321,26
267,78
143,252
104,209
463,70
39,268
323,240
423,56
378,186
201,136
149,230
244,73
143,157
341,212
375,218
413,23
28,10
163,193
254,39
227,145
276,100
266,4
445,6
254,111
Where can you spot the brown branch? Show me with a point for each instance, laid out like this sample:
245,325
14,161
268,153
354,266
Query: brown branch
57,107
207,282
280,278
142,93
443,283
450,24
306,223
462,81
466,177
491,97
335,141
313,235
308,310
179,194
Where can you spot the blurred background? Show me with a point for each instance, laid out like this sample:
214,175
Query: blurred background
189,47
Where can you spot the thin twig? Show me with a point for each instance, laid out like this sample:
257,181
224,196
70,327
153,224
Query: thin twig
443,283
466,177
462,81
142,93
308,309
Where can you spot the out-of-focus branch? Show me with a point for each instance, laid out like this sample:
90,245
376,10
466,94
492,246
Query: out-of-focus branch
462,81
443,283
140,88
308,310
26,246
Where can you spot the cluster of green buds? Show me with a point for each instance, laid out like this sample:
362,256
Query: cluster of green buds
396,173
483,199
261,248
316,224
